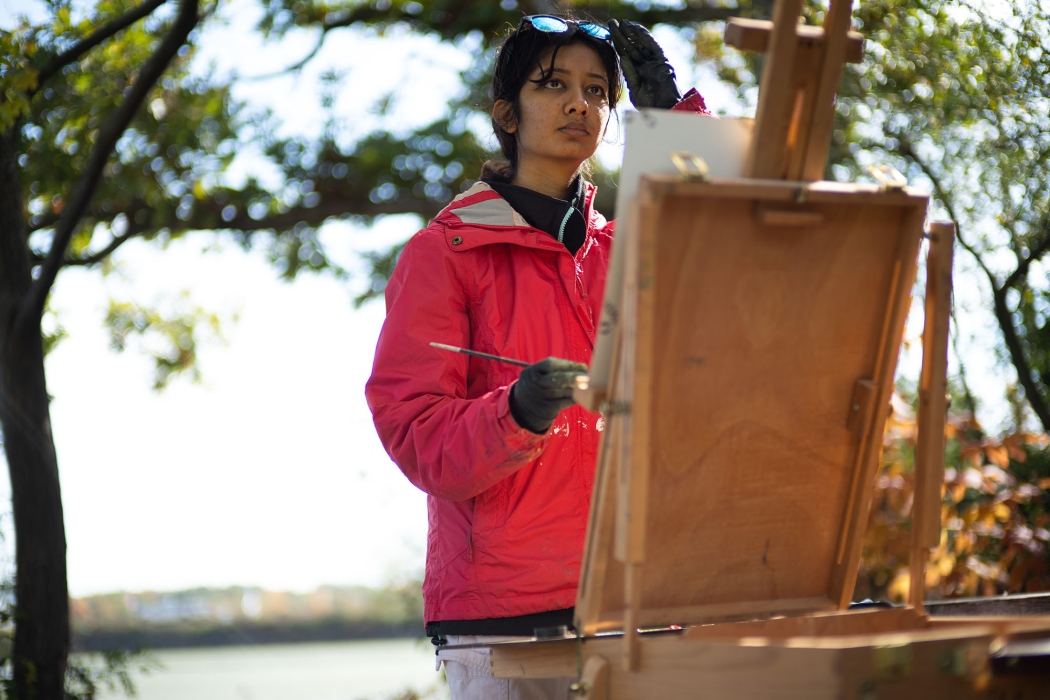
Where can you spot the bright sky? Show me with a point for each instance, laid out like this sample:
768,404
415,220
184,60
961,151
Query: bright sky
268,472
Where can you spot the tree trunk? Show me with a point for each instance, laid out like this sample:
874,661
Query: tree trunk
41,642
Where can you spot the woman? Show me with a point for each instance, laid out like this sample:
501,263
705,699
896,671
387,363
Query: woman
514,267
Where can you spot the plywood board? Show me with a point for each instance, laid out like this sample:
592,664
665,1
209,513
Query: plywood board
747,446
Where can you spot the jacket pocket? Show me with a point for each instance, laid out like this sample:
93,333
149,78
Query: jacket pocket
490,508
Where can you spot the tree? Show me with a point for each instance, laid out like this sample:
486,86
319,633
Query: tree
964,95
40,60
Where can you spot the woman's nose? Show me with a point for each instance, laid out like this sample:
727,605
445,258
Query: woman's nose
577,103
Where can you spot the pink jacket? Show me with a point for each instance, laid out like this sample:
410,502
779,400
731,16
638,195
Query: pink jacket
508,508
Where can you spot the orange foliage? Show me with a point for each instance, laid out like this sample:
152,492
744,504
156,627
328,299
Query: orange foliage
995,515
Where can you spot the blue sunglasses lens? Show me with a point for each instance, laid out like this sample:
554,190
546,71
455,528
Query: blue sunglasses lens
553,25
595,30
549,24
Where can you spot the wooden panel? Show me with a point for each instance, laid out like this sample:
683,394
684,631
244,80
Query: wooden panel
752,438
758,338
788,217
553,659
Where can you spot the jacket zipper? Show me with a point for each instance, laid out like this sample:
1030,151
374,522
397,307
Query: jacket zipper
561,229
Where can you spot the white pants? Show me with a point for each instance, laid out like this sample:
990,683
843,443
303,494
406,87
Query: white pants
469,675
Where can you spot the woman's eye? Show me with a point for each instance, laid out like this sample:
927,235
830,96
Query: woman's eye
597,90
553,83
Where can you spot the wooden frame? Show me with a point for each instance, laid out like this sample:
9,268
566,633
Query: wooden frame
615,592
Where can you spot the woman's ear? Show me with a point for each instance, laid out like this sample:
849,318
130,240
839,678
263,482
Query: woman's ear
503,115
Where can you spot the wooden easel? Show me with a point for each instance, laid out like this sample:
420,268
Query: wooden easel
800,78
746,385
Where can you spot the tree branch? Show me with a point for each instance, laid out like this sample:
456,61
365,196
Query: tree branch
1003,316
1034,254
908,151
329,208
450,26
104,32
1032,392
207,216
33,305
43,221
298,65
970,401
95,258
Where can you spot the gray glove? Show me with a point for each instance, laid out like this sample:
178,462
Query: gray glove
542,391
650,78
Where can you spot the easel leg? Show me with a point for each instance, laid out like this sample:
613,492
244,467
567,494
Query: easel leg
929,445
632,604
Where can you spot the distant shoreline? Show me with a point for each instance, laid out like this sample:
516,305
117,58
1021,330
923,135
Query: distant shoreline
240,632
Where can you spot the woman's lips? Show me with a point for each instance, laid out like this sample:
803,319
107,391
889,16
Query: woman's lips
575,130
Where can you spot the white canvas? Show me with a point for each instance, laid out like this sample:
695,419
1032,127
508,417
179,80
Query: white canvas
654,134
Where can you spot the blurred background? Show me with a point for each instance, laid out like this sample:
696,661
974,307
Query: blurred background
227,503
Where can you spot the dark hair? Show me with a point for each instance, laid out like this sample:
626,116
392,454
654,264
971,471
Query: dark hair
519,54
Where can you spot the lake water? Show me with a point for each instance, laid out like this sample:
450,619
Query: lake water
372,669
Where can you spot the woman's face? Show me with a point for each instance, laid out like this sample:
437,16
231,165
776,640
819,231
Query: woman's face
563,119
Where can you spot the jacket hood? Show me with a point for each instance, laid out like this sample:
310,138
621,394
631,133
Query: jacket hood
481,207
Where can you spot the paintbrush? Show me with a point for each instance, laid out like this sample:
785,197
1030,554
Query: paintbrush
475,353
582,381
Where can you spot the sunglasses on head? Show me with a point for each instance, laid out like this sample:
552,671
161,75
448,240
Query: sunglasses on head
557,25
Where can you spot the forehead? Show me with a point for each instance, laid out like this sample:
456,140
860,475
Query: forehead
575,59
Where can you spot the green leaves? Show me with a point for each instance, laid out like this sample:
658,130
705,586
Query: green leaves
170,334
18,79
92,674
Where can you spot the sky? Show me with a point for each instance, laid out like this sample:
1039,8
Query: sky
268,472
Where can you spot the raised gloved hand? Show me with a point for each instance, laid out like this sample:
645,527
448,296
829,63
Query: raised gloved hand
650,78
542,391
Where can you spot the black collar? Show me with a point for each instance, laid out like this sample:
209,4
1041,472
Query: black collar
562,219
